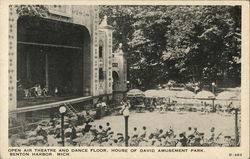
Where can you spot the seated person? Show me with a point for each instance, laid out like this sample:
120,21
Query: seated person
37,90
41,132
183,140
107,128
86,128
56,92
143,133
45,91
134,133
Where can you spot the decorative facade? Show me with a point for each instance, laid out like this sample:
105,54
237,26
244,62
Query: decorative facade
67,54
119,74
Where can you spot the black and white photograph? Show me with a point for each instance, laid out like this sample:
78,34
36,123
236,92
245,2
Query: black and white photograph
125,76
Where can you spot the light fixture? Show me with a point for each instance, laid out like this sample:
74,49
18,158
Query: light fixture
126,112
62,109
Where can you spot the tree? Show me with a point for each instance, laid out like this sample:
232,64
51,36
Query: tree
183,43
31,10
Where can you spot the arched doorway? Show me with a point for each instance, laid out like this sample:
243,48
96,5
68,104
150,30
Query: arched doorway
115,80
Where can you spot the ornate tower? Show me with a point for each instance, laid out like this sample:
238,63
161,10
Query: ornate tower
119,73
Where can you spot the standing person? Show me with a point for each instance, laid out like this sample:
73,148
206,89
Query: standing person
105,108
154,103
73,136
125,105
196,89
212,134
128,104
56,92
103,103
80,119
196,132
88,117
98,110
169,84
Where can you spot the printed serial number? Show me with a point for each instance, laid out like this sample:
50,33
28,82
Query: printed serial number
235,154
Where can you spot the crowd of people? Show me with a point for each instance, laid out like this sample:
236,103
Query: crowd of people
80,131
104,136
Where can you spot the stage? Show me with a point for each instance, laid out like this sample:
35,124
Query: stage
46,103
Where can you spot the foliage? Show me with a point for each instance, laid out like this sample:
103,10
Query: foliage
182,43
31,10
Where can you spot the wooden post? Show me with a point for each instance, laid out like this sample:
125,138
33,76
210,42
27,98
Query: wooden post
126,131
62,128
47,70
213,104
236,127
28,66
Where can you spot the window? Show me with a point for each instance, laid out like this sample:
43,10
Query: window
100,51
101,74
115,64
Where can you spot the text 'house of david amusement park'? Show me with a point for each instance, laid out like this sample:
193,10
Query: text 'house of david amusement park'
69,86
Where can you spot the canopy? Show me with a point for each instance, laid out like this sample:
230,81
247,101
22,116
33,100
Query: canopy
205,95
151,93
169,93
135,93
227,95
185,94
